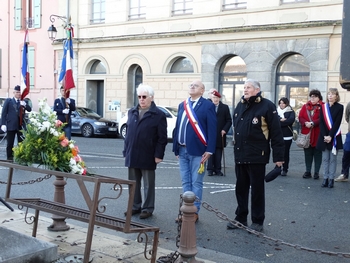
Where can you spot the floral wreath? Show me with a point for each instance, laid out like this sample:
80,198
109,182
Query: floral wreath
46,144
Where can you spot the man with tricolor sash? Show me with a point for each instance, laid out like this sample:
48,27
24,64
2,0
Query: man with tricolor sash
194,139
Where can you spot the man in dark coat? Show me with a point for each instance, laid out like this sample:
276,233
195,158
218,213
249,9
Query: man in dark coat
144,148
256,128
64,107
11,121
224,122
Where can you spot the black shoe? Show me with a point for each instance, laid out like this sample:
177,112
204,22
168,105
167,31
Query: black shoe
257,227
331,183
134,212
219,174
307,175
232,226
210,173
316,176
284,173
324,183
145,215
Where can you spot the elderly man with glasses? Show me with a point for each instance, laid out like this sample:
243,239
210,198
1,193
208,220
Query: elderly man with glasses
144,148
194,139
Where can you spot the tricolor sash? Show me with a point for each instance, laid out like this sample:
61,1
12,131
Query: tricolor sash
192,117
329,123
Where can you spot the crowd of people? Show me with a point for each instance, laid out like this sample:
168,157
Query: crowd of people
199,138
259,128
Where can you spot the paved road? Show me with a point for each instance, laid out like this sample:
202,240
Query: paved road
298,211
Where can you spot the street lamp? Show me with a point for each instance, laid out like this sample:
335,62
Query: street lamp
52,31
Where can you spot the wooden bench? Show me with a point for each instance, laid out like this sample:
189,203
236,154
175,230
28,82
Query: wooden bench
94,216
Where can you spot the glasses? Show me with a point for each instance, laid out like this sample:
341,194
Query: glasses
143,97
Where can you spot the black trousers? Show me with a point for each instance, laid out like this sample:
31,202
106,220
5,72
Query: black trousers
250,176
345,163
214,162
10,136
287,144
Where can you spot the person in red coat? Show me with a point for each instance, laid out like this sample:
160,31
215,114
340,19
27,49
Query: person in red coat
309,118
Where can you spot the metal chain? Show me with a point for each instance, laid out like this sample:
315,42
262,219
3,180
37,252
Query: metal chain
276,241
179,222
37,180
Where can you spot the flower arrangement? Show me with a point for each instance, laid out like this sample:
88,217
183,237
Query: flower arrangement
46,144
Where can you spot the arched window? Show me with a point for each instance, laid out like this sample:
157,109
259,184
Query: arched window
232,74
182,65
98,68
292,80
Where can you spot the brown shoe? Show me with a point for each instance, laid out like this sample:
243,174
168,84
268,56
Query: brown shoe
145,215
134,212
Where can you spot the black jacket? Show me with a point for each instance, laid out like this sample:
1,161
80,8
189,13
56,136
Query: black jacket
145,139
10,115
224,122
337,115
287,125
256,124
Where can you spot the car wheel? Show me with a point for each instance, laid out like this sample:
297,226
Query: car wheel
87,130
123,131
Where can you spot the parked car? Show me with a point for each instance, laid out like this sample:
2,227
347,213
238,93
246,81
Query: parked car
88,123
170,113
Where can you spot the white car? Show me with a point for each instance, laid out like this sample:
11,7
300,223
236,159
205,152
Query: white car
170,113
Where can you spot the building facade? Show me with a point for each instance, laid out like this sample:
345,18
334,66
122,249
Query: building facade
15,18
290,46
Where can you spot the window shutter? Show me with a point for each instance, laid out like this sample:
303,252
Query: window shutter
31,63
37,13
18,15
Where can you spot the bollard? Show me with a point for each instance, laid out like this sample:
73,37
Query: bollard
59,223
187,248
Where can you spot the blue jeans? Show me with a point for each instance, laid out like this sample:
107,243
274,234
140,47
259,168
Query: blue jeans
191,179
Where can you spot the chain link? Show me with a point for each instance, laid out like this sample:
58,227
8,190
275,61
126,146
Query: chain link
37,180
276,241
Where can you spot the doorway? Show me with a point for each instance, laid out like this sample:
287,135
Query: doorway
95,95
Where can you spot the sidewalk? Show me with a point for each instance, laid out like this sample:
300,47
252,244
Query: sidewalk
105,247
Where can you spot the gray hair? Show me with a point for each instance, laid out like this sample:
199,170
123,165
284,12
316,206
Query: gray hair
255,83
145,88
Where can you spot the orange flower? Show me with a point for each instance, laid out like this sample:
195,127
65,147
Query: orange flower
75,150
62,137
64,142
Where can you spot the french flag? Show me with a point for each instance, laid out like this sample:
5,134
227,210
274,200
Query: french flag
66,74
25,86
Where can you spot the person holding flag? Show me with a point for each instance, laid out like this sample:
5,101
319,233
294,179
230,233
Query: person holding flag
330,139
12,113
64,105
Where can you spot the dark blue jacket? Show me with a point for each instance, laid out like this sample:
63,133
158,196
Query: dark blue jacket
59,106
205,111
10,115
145,139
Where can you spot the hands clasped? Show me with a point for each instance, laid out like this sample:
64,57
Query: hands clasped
65,111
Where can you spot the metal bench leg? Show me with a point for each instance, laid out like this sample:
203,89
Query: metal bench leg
155,246
36,220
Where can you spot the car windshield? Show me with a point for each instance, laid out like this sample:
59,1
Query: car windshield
87,112
172,110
